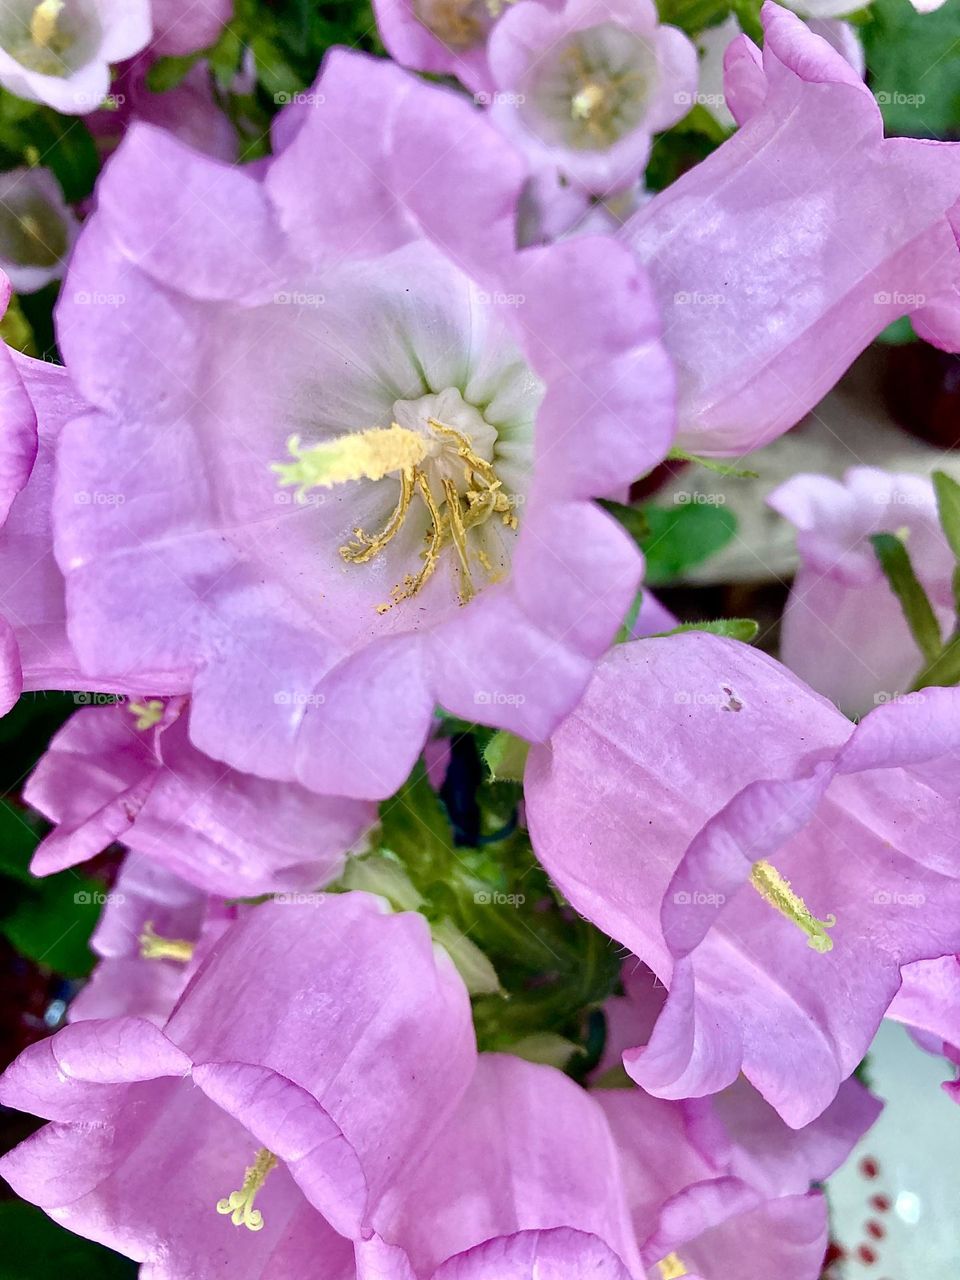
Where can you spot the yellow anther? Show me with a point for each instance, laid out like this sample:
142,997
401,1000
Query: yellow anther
671,1268
364,548
362,455
413,457
586,101
148,713
155,947
413,583
43,22
770,884
239,1204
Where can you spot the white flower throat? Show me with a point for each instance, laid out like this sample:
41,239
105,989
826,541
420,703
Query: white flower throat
46,39
445,470
593,90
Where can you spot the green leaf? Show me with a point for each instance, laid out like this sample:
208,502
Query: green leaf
548,1048
944,671
505,755
693,15
381,874
414,826
51,923
684,536
948,509
31,1245
917,609
67,147
625,633
712,464
748,15
474,967
278,77
15,329
633,519
897,334
49,920
18,840
914,62
744,629
699,120
167,73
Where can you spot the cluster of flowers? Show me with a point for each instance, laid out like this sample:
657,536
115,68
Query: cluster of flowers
325,455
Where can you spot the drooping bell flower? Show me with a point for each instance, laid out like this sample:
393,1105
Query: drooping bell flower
292,1083
713,42
729,1153
524,1181
446,37
843,629
774,868
59,51
695,1213
38,398
782,255
37,228
786,1238
154,931
129,773
374,432
584,88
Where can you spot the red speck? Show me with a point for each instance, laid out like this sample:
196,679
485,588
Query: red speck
834,1253
866,1255
876,1229
882,1204
869,1167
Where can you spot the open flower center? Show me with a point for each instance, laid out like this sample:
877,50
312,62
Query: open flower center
146,714
602,98
770,884
43,37
444,471
32,232
43,23
593,90
460,24
239,1204
155,947
672,1268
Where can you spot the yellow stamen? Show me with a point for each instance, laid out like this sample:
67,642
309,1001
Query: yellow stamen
43,22
671,1268
155,947
239,1204
458,536
413,583
365,547
379,452
770,884
148,713
586,101
363,455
